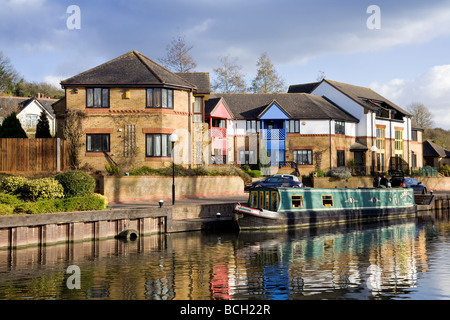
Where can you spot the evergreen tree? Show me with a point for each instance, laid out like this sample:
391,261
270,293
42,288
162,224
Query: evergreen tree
43,127
11,128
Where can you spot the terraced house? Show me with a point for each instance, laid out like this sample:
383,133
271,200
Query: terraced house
385,137
277,128
133,105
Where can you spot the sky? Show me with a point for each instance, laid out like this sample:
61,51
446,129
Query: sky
400,49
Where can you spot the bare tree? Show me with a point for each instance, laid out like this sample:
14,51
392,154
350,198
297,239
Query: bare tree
178,57
421,115
267,79
229,78
73,133
8,75
7,106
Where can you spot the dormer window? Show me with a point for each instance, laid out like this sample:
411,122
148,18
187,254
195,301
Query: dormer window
159,98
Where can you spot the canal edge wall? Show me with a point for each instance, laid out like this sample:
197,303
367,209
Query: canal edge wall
147,188
54,228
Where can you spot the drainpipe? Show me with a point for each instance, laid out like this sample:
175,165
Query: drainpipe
191,159
330,144
409,142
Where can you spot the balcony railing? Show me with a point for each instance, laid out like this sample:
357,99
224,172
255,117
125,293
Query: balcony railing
273,134
220,133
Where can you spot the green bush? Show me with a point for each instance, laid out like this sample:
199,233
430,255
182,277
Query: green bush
144,171
13,184
255,173
41,206
444,170
76,183
317,173
39,189
199,171
88,203
9,199
112,169
6,209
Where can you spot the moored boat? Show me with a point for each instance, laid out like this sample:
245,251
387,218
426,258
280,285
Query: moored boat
296,207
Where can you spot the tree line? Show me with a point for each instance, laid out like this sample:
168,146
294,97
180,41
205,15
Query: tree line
423,118
12,84
228,75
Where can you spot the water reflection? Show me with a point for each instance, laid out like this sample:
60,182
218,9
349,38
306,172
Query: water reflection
401,259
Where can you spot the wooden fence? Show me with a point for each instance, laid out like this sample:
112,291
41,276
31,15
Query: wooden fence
33,155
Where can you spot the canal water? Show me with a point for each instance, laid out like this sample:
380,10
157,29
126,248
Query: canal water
407,259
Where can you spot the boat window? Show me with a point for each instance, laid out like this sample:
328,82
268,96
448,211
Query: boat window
261,200
297,201
274,201
254,199
327,201
267,200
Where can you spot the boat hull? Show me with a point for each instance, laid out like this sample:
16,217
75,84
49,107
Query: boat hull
254,218
313,218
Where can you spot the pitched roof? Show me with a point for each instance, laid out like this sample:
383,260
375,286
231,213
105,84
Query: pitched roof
366,97
303,88
212,103
130,69
22,102
431,149
199,79
298,105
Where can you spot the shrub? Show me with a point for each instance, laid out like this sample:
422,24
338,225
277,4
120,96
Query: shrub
112,169
317,173
46,188
41,206
13,185
6,209
103,200
93,202
340,173
444,170
76,183
9,199
88,203
255,173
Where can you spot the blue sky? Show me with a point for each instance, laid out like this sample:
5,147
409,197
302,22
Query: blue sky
407,59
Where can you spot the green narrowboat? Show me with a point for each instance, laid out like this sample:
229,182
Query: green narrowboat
296,207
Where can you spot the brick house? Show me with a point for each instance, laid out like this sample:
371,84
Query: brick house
132,106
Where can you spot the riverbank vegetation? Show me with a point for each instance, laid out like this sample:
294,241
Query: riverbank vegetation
229,170
65,192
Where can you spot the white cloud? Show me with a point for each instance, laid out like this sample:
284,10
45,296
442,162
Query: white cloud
202,27
432,88
415,27
53,80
